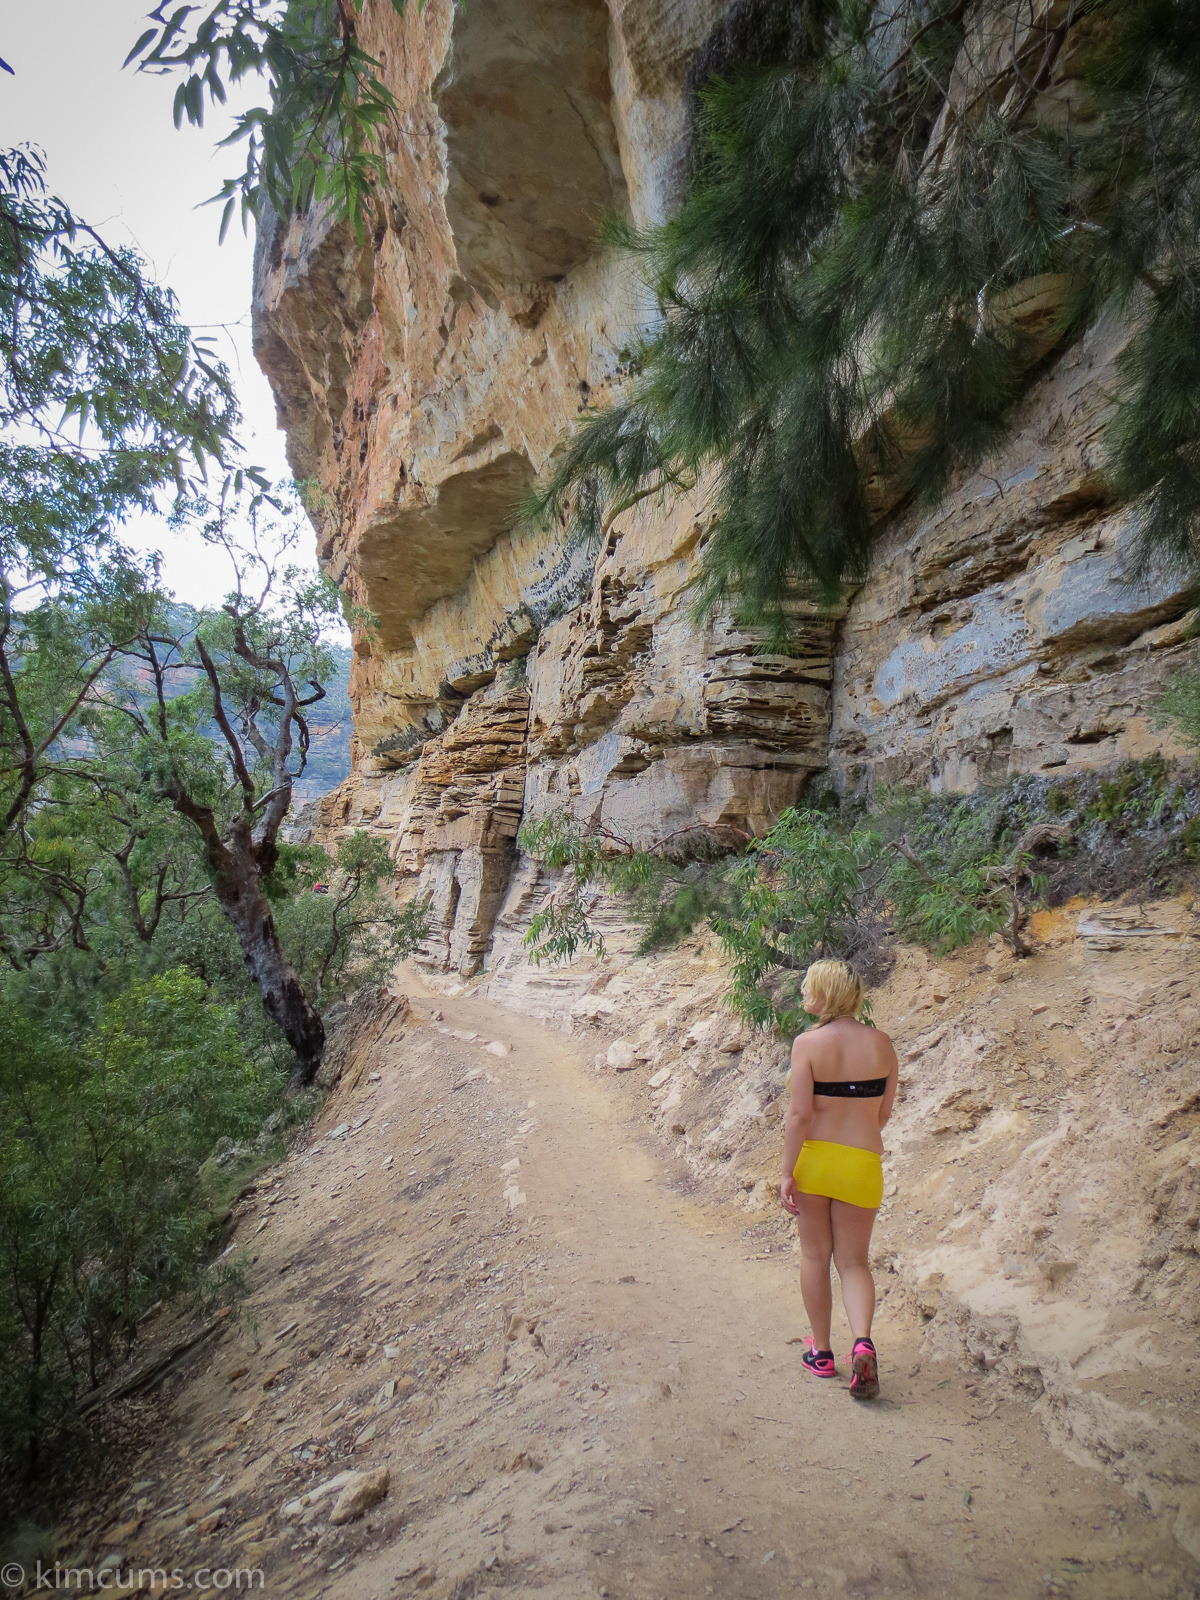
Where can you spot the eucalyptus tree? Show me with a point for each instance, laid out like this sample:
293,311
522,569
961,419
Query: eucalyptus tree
108,405
317,141
226,751
147,752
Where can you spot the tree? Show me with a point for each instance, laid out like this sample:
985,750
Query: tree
670,887
839,293
101,1139
316,142
799,889
261,663
107,405
147,755
337,914
84,336
315,145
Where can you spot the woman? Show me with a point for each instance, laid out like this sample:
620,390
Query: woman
843,1084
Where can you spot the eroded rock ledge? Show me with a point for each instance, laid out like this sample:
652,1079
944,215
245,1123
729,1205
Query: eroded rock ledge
425,377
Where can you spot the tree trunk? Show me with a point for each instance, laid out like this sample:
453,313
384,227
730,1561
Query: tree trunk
239,890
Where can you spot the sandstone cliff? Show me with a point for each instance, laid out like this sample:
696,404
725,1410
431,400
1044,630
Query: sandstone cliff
425,377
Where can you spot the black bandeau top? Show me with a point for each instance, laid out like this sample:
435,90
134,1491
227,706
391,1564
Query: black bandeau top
864,1089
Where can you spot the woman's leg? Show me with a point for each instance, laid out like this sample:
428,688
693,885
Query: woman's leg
851,1227
816,1247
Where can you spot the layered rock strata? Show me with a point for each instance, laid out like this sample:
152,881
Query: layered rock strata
1013,630
425,376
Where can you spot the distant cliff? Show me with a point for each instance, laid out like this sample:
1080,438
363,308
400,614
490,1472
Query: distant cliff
331,733
425,375
330,721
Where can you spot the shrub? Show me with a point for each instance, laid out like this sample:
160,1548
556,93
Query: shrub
667,895
1181,706
673,903
938,883
797,892
336,914
1134,794
515,673
101,1140
940,870
561,927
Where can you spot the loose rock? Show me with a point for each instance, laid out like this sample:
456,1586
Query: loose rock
362,1491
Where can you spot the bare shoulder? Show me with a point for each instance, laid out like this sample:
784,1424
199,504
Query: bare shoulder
882,1042
807,1048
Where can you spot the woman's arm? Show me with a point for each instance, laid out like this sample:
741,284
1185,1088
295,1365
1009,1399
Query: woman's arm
796,1124
889,1094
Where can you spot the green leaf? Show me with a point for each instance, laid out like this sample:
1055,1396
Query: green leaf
194,101
215,86
145,39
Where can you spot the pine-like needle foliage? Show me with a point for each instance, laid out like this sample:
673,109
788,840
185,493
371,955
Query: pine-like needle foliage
1146,165
884,232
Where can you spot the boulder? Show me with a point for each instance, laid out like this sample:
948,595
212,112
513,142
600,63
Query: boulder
361,1491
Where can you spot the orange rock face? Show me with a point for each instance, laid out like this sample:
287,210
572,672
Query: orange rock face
425,376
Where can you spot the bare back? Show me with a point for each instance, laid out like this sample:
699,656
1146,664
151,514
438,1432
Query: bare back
844,1051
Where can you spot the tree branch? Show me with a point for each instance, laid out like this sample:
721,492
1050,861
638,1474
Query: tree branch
903,848
27,766
235,750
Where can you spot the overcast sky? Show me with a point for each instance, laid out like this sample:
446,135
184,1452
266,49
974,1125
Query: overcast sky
114,156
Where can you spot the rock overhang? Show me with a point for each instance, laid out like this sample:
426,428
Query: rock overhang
532,163
985,642
410,557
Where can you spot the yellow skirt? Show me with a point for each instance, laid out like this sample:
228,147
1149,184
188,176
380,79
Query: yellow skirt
840,1172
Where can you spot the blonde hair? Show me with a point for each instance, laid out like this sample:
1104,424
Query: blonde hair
839,987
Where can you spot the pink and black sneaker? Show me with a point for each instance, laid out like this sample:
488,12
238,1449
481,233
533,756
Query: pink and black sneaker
864,1385
819,1362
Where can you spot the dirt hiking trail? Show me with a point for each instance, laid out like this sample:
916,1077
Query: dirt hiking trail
481,1272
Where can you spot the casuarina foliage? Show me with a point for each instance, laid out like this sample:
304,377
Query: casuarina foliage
895,212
